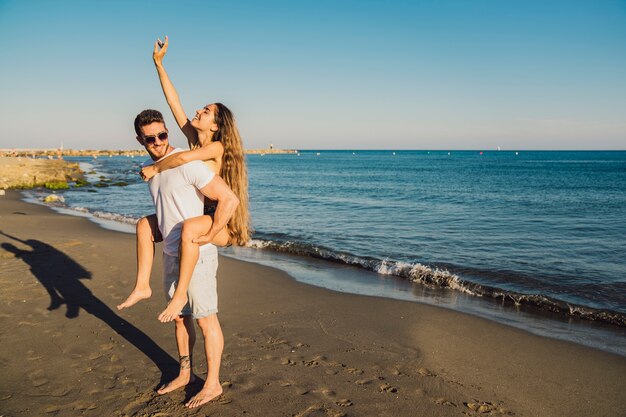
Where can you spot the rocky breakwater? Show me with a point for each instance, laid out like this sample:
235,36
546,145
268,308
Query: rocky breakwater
20,173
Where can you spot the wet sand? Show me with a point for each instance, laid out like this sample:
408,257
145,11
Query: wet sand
290,349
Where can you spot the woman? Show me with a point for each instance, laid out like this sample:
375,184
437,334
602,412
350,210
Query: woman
213,137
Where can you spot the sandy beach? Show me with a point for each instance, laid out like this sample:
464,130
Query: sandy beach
290,349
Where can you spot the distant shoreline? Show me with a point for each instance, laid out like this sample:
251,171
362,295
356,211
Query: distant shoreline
99,152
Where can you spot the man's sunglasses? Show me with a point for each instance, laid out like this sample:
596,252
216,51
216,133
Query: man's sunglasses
151,139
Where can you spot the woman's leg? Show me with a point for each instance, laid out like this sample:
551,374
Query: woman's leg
189,254
147,234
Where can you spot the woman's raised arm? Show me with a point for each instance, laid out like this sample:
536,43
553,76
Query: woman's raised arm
170,93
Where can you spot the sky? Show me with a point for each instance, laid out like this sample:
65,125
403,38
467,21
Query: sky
341,74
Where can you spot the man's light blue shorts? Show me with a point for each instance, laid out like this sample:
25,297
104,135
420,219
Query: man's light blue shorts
202,290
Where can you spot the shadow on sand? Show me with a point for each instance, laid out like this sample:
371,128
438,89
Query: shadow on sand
60,275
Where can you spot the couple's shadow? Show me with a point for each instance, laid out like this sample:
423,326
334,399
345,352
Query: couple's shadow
60,275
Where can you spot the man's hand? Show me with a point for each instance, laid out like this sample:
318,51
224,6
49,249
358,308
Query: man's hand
148,172
201,240
227,203
160,48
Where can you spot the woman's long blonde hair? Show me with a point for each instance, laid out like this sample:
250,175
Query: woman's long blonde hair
234,173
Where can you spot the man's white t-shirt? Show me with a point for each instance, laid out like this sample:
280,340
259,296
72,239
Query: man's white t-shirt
176,196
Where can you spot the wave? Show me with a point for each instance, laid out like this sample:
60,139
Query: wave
39,197
428,275
106,215
438,277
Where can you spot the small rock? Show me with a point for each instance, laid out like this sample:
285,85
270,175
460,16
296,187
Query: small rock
53,198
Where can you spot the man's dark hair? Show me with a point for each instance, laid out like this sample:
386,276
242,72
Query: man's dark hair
147,117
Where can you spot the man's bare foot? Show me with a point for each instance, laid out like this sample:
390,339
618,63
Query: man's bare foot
205,395
180,381
173,309
134,297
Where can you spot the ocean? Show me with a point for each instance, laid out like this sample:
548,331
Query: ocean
532,239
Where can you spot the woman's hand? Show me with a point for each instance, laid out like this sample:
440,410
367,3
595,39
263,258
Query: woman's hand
148,172
160,48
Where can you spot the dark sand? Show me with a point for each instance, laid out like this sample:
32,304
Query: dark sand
290,349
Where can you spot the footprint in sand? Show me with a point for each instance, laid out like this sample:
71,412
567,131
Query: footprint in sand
320,411
37,378
355,371
84,405
425,372
443,401
313,411
61,392
276,342
328,392
311,363
109,384
344,403
52,409
110,371
287,361
30,356
223,400
484,407
387,388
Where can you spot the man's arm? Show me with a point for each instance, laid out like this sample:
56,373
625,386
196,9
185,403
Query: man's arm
227,203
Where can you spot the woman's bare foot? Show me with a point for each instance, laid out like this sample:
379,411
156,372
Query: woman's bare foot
135,296
205,395
173,309
180,381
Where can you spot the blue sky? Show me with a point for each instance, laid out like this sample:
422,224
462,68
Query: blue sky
466,74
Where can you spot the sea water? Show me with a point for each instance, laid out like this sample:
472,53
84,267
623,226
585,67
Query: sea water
532,239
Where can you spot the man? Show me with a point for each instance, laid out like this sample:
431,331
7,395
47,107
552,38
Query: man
178,194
